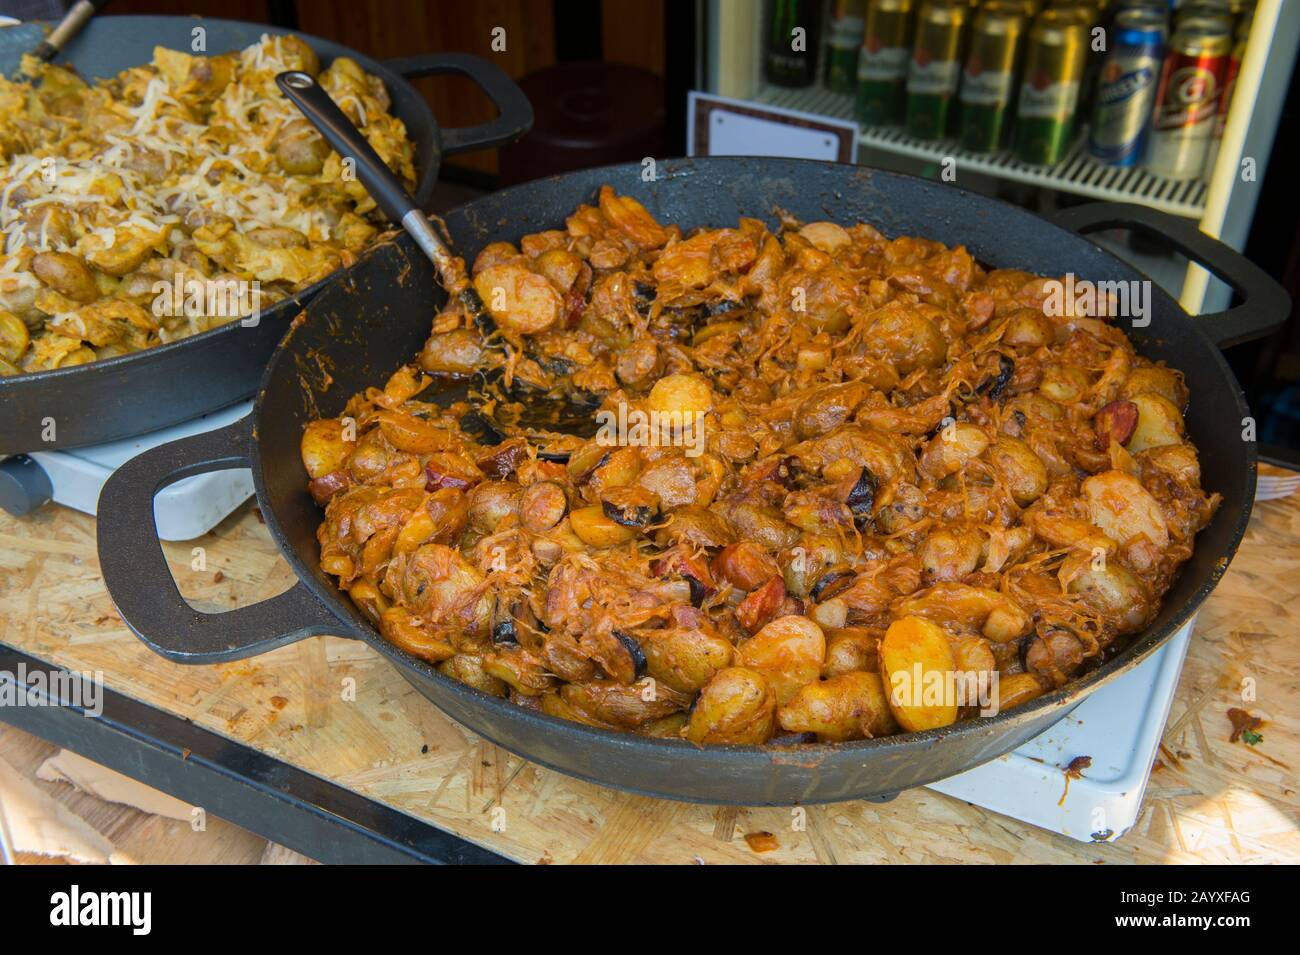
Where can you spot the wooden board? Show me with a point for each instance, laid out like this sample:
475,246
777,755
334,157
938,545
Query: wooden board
1210,800
144,838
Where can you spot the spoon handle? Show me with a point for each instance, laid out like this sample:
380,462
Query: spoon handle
384,187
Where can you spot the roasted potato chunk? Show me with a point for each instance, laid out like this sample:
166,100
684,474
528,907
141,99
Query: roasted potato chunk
736,706
849,706
789,652
917,667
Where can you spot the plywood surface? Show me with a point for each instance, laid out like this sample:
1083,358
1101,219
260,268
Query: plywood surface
1210,800
138,836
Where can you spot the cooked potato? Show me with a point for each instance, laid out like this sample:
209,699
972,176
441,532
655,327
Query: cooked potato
1123,509
299,149
671,480
14,338
491,503
1158,380
520,300
832,613
827,237
414,635
789,652
917,667
680,394
561,266
908,338
594,528
542,506
553,704
950,553
277,237
521,669
829,407
1021,469
1159,423
438,584
457,352
468,669
1109,587
973,655
666,727
1018,688
849,649
736,706
1028,328
1064,383
326,445
845,707
966,607
950,450
67,274
1179,460
687,655
406,432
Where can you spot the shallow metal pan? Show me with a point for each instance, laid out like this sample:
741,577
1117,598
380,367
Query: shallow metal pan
376,318
151,389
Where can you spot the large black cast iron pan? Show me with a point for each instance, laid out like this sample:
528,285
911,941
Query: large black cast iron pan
147,390
376,317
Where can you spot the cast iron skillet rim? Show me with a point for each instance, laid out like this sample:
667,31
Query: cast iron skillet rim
278,310
1064,697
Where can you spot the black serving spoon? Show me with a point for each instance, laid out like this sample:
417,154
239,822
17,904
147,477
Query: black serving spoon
540,411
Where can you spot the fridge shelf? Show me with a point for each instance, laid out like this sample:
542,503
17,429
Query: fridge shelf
1077,173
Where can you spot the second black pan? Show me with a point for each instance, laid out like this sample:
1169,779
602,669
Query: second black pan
377,316
147,390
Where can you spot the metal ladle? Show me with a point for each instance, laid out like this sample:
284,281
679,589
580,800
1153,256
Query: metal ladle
558,415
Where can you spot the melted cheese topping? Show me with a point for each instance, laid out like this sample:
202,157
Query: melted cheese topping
182,160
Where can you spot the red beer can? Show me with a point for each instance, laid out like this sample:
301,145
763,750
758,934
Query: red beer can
1187,100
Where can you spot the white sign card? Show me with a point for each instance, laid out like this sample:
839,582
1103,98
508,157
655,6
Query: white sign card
717,126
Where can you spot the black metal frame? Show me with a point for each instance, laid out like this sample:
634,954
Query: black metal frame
264,795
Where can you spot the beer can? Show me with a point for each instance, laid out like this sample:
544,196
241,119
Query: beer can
1091,15
1187,99
1126,88
1160,6
882,62
1229,87
1049,93
1214,9
934,72
988,83
1089,10
843,40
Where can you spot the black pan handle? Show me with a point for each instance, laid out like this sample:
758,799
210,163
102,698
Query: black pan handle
1265,304
137,577
516,113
